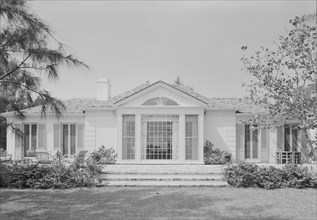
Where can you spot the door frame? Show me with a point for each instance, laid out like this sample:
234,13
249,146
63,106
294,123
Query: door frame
69,139
251,159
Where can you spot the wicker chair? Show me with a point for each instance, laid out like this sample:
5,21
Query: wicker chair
44,158
5,157
81,156
68,158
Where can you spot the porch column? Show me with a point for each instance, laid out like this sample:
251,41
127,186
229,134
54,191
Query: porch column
137,137
181,141
201,137
119,137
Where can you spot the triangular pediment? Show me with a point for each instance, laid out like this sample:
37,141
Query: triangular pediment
161,94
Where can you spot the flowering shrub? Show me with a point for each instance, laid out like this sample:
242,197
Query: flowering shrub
104,156
251,175
45,176
215,156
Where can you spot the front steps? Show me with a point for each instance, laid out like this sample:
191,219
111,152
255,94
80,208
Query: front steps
162,175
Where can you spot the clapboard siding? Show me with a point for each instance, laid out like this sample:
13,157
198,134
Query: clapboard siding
90,133
220,129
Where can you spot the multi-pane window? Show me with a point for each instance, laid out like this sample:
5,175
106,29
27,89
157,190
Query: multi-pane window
191,135
69,139
290,138
160,101
128,137
30,137
251,142
159,140
159,137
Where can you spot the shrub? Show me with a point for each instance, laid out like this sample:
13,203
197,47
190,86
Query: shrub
215,156
44,176
104,156
251,175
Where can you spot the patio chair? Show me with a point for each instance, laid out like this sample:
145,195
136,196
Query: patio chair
5,157
44,158
68,158
81,156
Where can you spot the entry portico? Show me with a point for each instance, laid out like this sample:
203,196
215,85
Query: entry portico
160,125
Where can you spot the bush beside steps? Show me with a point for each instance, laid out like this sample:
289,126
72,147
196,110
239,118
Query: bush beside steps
47,176
251,175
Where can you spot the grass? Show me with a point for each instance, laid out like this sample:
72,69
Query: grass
159,203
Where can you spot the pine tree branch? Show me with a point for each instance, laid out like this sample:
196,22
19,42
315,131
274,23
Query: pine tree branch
15,69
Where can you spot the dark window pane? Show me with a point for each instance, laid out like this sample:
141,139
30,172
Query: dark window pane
65,139
287,138
26,137
247,150
255,143
128,137
294,139
72,139
34,136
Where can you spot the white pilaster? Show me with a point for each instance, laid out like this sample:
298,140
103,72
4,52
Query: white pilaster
137,137
119,137
201,137
181,141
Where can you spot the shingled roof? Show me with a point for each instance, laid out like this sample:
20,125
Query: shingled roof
79,105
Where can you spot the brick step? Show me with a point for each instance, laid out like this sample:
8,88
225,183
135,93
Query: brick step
161,176
164,183
163,169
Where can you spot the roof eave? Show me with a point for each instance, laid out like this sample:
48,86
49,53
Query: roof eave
100,109
118,102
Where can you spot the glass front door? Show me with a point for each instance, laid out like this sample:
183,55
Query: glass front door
159,140
159,137
69,139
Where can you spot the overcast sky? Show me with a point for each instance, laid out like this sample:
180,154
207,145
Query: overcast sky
130,42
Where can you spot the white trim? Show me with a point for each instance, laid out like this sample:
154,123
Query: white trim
182,139
163,162
167,87
291,138
138,148
251,159
201,137
30,140
69,135
119,137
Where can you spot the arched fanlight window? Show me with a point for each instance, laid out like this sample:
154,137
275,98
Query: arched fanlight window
160,101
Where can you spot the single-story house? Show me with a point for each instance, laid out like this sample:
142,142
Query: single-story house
156,123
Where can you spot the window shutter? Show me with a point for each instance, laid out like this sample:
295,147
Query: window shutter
280,138
305,149
80,136
240,142
41,136
264,146
18,149
57,137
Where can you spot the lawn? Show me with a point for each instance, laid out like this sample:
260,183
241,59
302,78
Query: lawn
159,203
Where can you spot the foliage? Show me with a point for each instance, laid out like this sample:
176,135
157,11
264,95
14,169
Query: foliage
45,176
251,175
285,78
104,155
215,156
179,82
28,50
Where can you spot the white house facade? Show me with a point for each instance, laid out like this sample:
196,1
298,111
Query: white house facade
157,123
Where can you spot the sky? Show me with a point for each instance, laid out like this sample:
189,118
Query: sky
131,42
